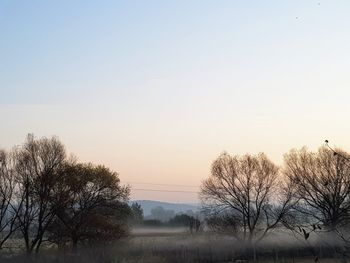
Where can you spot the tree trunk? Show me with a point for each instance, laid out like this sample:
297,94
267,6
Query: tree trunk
74,243
38,246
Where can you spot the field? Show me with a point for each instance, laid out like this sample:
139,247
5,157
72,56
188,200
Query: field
175,245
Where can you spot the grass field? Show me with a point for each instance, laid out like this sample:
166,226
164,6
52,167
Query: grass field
175,245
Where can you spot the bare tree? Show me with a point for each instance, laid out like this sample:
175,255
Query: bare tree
322,185
8,214
38,166
244,194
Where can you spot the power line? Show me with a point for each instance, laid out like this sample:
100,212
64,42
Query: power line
180,185
165,190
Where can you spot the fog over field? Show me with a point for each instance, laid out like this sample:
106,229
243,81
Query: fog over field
148,205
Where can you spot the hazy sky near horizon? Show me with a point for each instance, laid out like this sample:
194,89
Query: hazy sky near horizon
158,89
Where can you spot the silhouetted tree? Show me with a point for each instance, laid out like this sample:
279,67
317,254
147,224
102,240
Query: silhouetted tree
8,211
136,214
245,195
162,214
185,220
322,185
38,166
95,206
180,220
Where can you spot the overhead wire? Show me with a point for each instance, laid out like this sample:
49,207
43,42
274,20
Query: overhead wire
164,190
161,184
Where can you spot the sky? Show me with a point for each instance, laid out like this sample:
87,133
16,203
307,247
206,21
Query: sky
156,90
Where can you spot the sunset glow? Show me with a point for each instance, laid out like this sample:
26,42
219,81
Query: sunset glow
157,90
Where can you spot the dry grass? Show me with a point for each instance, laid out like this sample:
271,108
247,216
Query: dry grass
149,246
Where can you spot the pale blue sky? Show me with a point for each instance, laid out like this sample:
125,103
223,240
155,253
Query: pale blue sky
157,89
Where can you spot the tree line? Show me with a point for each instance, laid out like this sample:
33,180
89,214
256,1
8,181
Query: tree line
161,217
46,196
249,196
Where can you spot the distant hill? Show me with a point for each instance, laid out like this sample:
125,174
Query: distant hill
148,205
